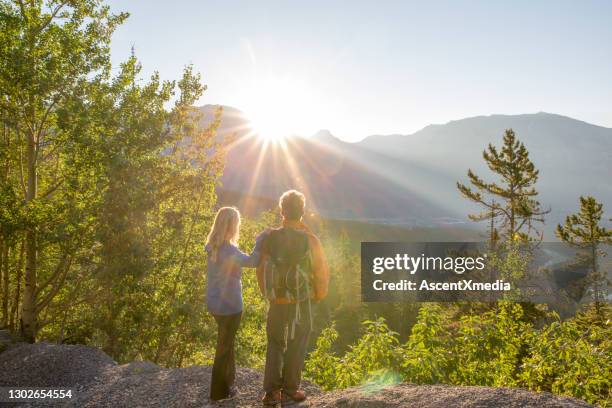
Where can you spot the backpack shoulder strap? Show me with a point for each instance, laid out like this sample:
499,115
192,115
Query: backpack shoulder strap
271,241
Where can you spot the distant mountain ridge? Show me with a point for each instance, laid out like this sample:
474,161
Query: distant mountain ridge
410,179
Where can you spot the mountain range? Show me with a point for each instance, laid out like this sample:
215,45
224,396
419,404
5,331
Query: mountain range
410,180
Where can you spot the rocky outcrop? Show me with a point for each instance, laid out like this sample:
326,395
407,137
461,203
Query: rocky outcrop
98,381
436,396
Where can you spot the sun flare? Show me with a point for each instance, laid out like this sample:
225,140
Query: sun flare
280,107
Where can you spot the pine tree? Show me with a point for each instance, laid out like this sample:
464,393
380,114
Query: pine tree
582,230
512,201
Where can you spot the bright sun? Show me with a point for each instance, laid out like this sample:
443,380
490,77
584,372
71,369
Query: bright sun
280,107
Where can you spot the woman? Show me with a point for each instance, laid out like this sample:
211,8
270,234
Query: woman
224,295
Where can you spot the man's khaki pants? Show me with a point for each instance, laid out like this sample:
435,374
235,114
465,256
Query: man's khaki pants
286,346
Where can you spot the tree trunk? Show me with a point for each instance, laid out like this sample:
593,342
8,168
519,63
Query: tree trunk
28,308
597,295
28,311
17,293
3,293
4,262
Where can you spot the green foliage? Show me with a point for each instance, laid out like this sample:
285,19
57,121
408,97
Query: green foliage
499,347
52,55
500,344
583,230
425,359
571,359
511,204
510,261
373,359
491,346
322,362
107,186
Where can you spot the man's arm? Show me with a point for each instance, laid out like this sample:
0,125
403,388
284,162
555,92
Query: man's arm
320,269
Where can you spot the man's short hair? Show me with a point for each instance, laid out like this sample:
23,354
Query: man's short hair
292,204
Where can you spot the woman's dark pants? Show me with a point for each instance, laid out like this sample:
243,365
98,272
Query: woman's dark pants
224,368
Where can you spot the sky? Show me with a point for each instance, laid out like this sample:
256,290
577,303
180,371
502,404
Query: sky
359,68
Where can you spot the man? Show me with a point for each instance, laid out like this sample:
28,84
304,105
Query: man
292,274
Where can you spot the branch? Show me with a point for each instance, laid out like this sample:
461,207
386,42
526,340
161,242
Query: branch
45,115
520,226
21,172
53,188
56,287
22,9
50,152
52,16
54,275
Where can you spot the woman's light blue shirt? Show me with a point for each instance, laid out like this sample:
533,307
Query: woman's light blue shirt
224,286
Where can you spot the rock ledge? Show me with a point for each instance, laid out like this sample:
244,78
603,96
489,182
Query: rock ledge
100,382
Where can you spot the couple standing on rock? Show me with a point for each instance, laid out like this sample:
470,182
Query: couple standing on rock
292,273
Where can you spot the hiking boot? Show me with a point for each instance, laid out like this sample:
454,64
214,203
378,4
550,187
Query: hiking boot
271,398
297,396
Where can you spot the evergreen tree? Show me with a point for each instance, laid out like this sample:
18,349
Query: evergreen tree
582,230
512,201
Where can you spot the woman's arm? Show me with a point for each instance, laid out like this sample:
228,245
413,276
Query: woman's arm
245,260
252,260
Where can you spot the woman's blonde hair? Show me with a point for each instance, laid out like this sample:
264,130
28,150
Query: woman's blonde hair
225,228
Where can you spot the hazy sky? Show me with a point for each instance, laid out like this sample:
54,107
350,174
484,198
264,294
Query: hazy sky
380,67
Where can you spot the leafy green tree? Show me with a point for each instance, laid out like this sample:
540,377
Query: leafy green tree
583,230
511,201
11,219
109,193
155,185
49,53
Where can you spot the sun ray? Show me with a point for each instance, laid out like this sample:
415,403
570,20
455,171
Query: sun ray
277,109
256,170
296,175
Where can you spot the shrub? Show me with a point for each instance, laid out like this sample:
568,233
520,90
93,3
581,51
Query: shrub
426,355
497,347
568,359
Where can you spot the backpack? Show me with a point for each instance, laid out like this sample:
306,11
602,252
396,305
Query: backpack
288,271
